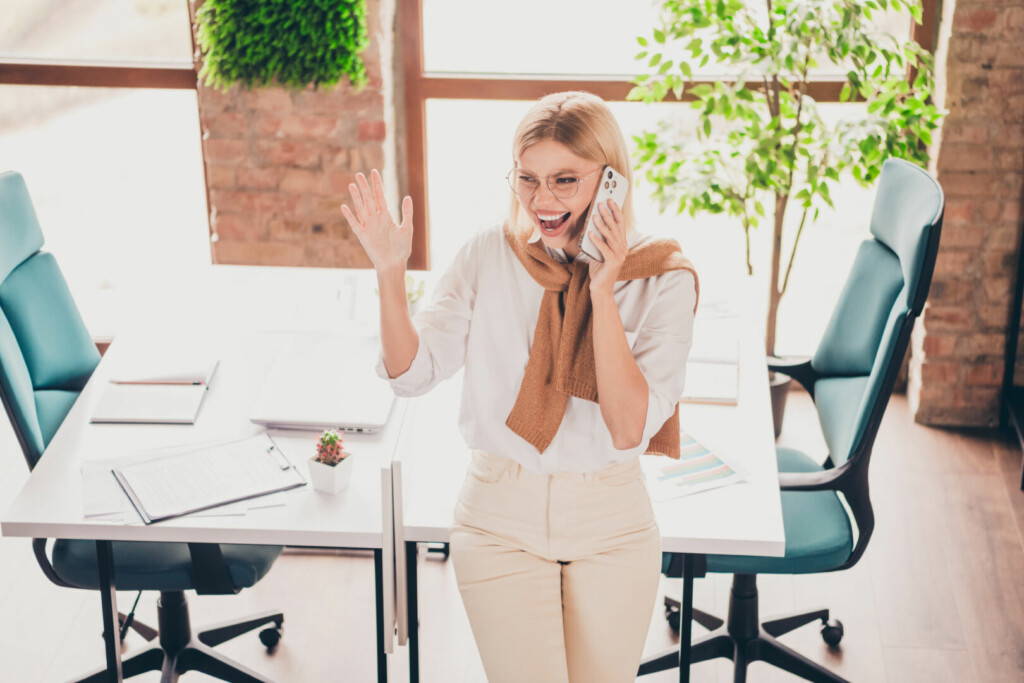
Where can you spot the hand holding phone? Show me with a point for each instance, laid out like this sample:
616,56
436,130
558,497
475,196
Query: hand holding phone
613,185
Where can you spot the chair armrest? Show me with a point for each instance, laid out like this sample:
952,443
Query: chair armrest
39,548
210,574
799,368
809,481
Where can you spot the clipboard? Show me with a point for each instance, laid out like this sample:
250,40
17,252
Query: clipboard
179,484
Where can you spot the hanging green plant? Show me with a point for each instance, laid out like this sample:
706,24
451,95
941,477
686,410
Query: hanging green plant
292,43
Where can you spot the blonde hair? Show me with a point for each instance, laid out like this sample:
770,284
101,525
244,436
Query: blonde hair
582,122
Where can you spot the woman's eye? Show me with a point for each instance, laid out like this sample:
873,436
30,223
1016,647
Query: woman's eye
567,180
527,179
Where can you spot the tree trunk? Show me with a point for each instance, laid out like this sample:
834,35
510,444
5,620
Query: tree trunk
773,282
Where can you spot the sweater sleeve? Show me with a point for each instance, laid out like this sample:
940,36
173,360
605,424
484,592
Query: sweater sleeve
442,326
661,349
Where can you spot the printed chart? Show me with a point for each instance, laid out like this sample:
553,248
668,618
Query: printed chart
698,469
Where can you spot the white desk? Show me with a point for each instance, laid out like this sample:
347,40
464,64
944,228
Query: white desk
222,311
743,519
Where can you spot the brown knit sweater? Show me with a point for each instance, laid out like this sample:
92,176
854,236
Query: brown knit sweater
561,362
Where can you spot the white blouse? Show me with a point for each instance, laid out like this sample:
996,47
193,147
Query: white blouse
482,314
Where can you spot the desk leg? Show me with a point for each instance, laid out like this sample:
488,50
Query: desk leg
108,599
686,619
378,586
411,557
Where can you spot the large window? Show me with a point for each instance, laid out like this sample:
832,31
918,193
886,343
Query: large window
115,173
116,178
93,30
568,37
471,87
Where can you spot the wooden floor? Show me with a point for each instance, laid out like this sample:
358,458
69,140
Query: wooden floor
939,595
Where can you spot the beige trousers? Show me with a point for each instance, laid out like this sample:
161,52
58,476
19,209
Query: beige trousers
558,573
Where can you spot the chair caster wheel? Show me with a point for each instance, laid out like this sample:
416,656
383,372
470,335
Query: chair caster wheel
270,637
832,632
673,617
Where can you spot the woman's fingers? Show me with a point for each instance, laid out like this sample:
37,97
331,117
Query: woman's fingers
357,202
406,212
379,204
598,237
367,195
353,222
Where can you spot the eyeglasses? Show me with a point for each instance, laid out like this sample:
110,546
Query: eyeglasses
562,185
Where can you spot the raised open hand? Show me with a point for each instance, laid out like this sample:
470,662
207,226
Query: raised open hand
386,243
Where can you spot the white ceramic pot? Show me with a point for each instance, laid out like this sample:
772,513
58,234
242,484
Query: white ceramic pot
330,478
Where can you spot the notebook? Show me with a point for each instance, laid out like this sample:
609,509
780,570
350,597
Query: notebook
149,403
166,370
183,483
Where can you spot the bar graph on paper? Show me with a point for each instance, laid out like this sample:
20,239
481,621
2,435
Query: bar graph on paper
698,469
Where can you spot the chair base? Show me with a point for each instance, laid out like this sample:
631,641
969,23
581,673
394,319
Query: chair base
140,627
744,640
179,652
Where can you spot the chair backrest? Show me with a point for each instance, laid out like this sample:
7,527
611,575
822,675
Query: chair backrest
46,354
867,337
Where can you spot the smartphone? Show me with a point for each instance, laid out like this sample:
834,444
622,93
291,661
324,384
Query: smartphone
613,185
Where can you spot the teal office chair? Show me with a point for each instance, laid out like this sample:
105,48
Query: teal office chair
850,377
46,358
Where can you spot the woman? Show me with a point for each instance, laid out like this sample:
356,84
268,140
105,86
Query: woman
555,547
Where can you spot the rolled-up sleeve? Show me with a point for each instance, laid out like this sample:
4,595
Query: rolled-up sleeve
442,325
661,349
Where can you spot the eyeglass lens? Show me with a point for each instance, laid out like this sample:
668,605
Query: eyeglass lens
563,185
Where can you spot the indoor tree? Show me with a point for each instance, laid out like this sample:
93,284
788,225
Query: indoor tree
760,147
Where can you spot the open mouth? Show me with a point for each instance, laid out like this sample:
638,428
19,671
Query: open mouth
552,224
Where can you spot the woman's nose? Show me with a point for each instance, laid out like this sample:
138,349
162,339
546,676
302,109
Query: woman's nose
545,197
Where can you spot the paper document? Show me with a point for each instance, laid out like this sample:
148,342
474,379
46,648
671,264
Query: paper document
698,469
208,477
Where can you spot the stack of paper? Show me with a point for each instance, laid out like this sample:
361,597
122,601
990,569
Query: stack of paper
711,383
712,369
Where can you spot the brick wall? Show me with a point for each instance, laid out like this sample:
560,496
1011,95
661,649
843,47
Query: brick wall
957,367
278,161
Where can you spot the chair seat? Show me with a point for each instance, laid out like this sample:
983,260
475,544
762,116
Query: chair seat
818,533
142,565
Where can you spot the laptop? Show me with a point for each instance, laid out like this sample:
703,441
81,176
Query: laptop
325,381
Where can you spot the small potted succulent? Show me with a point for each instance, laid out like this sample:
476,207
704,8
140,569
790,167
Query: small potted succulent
330,470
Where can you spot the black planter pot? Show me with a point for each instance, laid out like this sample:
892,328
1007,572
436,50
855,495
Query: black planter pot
780,389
